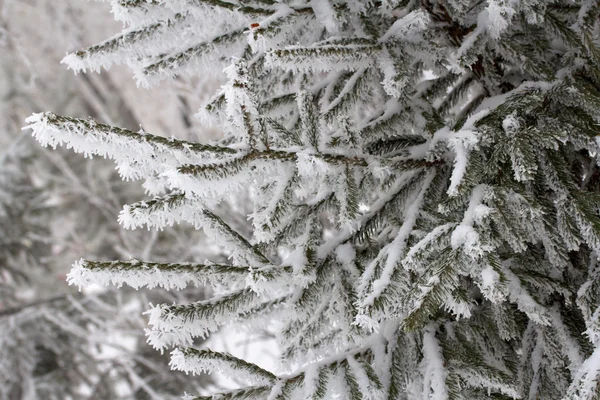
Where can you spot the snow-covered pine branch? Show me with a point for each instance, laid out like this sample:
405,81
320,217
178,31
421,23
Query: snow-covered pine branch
138,154
137,274
180,324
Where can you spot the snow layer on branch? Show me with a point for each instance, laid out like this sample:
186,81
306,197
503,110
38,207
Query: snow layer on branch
571,347
593,327
242,108
324,58
325,14
585,382
241,251
464,235
495,18
174,29
586,300
137,154
412,23
162,212
211,56
213,187
299,187
400,184
140,14
395,250
206,361
138,274
134,45
427,243
368,390
284,28
519,295
461,143
392,83
180,324
490,285
432,366
273,203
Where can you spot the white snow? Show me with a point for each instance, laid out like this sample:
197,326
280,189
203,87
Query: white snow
432,366
465,235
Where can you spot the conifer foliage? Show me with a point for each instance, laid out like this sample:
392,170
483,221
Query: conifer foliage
425,184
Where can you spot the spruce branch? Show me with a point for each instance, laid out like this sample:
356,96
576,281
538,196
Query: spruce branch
435,289
136,274
111,51
188,359
180,324
171,65
85,126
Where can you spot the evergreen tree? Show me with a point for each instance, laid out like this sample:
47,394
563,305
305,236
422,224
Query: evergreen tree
424,176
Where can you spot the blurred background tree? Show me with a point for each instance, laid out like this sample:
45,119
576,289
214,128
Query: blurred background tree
56,207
